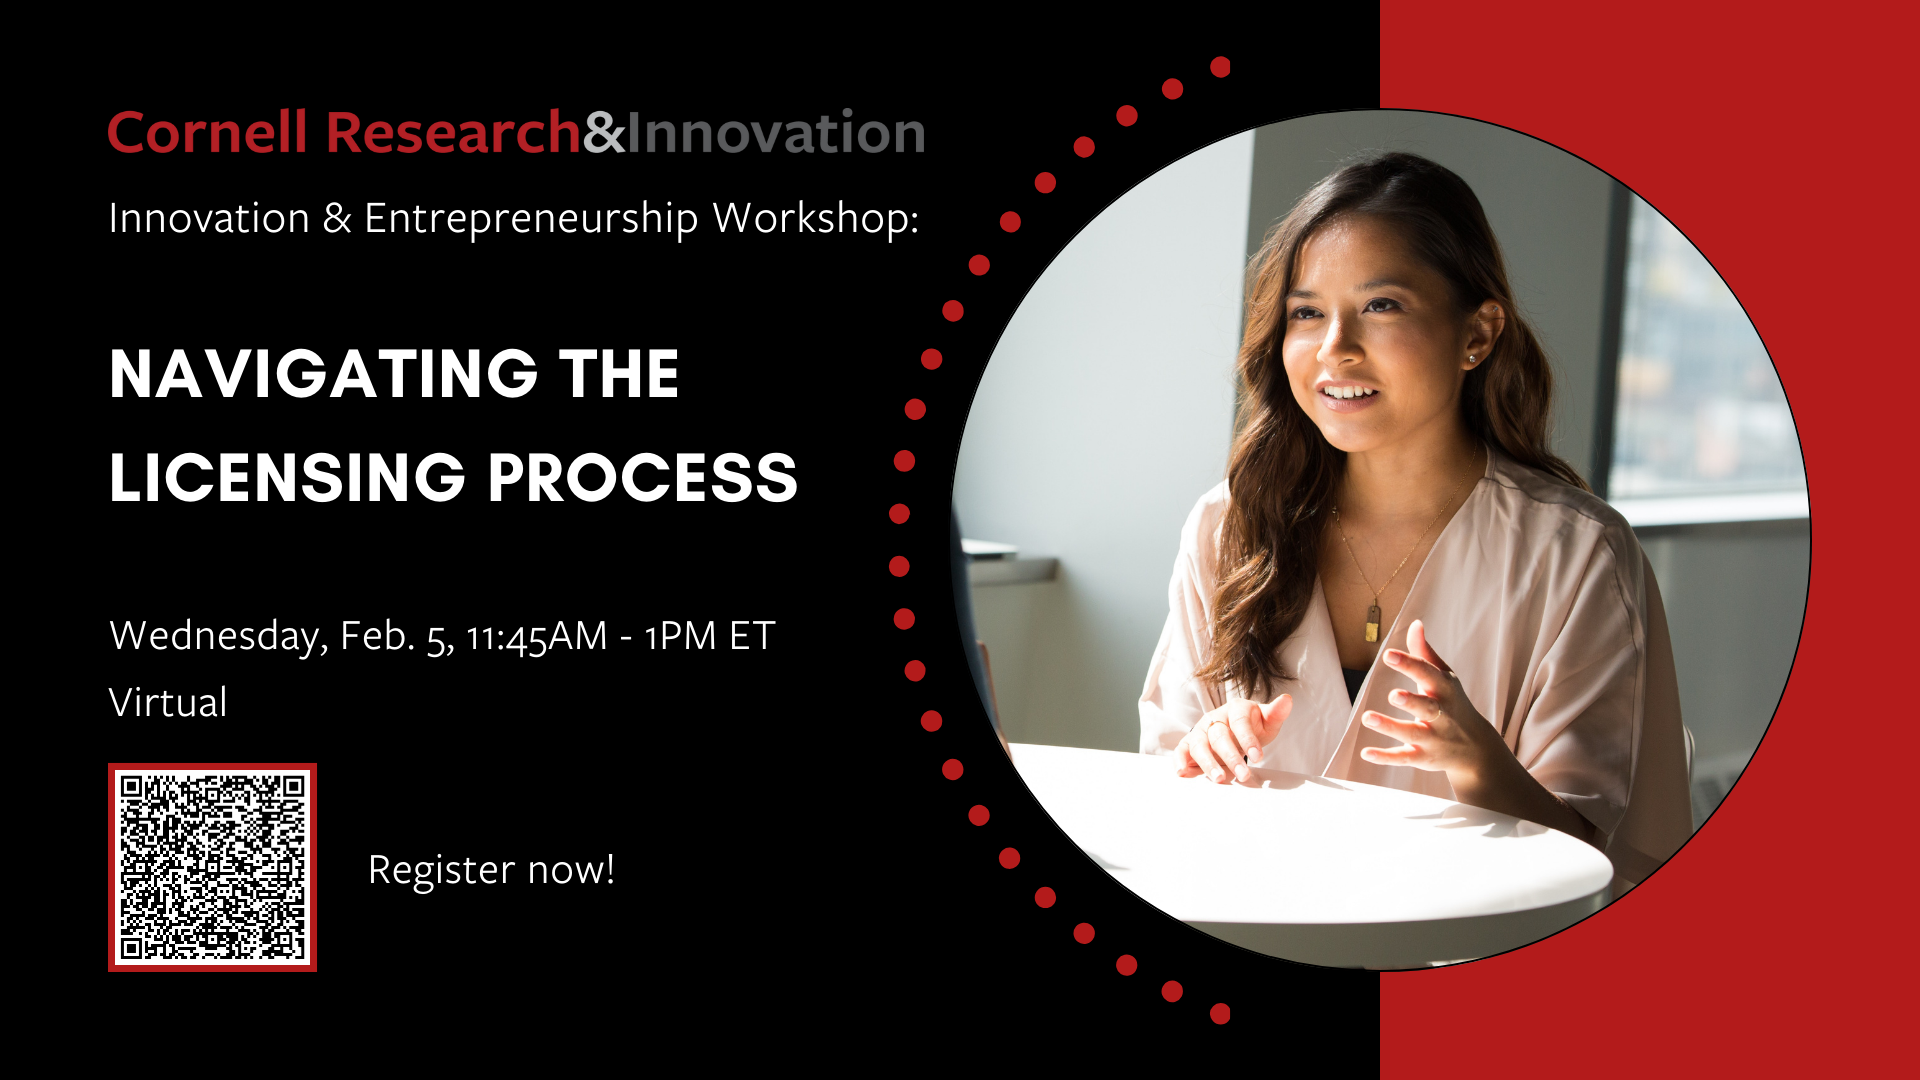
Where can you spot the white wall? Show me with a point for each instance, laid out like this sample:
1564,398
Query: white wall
1103,415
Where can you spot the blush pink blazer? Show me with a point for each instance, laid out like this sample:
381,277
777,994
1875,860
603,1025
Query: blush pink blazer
1539,597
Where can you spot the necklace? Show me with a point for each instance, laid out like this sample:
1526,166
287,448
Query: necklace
1373,609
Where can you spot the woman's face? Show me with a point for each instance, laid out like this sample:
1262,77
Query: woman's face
1375,347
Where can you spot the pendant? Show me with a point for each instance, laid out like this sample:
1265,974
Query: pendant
1373,622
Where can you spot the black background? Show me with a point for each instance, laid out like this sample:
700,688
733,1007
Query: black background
789,858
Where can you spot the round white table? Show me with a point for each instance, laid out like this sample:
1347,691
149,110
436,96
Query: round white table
1317,870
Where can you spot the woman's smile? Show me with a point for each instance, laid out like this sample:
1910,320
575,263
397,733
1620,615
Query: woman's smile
1344,396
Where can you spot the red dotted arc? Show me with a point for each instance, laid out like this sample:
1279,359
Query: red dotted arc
952,310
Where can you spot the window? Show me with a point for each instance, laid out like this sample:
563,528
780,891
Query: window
1701,428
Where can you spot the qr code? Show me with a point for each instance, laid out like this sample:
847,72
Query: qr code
211,867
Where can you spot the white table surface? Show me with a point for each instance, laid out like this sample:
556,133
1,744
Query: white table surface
1318,870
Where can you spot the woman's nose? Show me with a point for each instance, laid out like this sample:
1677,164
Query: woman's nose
1339,345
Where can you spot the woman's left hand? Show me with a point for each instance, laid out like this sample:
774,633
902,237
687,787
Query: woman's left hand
1446,733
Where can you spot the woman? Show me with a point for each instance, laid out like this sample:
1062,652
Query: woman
1394,534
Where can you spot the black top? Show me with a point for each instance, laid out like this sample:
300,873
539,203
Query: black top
1354,679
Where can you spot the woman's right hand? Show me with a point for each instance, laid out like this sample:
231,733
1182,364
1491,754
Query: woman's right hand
1225,744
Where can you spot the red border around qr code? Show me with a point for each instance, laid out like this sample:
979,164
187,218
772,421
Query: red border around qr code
313,867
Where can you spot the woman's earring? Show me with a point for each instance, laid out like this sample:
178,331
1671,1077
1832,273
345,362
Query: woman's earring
1471,360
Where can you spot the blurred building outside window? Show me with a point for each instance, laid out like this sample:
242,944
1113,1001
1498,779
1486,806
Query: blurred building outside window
1702,432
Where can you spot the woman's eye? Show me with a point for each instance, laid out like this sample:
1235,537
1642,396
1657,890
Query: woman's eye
1304,313
1381,303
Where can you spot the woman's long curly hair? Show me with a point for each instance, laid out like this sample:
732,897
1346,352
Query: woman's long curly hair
1283,473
